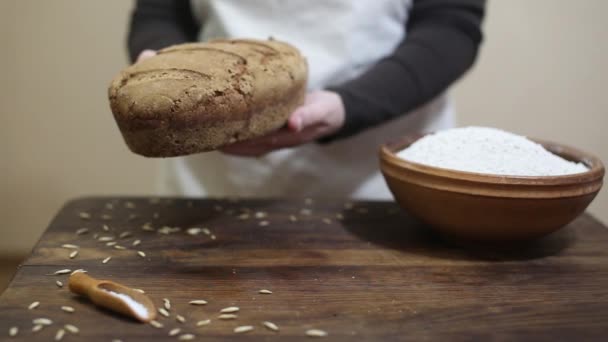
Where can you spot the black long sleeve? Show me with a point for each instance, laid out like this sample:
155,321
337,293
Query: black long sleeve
443,37
442,42
156,24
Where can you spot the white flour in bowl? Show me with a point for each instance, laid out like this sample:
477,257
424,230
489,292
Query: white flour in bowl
488,150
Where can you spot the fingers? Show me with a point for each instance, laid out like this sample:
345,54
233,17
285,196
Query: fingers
145,54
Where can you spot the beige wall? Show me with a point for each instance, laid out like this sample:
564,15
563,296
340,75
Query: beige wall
542,72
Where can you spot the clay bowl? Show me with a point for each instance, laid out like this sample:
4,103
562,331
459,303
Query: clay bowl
474,207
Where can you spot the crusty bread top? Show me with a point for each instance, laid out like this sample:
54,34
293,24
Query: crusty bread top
213,81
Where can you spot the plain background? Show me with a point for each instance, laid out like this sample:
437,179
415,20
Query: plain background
542,72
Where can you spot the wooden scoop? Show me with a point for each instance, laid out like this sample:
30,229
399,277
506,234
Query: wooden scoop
113,296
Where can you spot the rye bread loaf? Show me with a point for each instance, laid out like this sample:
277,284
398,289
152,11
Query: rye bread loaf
197,97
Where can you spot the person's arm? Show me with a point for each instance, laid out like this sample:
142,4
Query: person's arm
442,42
156,24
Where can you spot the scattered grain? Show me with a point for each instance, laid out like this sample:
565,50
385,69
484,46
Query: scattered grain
147,227
167,303
85,216
316,333
306,212
82,231
58,283
271,326
105,261
33,305
73,254
164,312
13,331
230,309
136,243
243,216
243,329
125,235
339,216
120,247
111,243
213,237
68,309
139,290
260,215
186,337
194,231
264,291
206,231
129,205
79,270
69,246
59,335
175,332
227,316
293,218
180,318
71,328
105,238
42,321
203,322
141,254
37,327
156,324
327,220
263,223
109,206
198,302
63,271
106,217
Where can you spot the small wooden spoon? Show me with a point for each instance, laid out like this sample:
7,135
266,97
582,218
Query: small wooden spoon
113,296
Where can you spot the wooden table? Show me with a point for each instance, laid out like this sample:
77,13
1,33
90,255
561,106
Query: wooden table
363,273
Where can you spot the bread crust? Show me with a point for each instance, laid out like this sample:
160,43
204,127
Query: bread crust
198,97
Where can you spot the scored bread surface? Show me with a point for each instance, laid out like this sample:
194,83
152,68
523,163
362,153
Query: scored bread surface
198,97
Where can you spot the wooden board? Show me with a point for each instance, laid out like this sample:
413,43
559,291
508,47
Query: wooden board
375,275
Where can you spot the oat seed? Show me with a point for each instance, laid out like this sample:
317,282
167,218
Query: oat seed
85,216
203,322
227,316
163,312
186,337
68,309
105,261
174,332
264,291
243,329
42,321
156,324
71,328
69,246
198,302
141,254
316,333
136,243
37,327
111,243
13,331
180,318
82,231
120,247
105,238
58,283
125,235
147,227
33,305
167,303
73,254
230,309
59,335
260,214
63,271
193,231
271,326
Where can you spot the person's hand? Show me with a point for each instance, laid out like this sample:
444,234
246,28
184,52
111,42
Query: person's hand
321,114
145,54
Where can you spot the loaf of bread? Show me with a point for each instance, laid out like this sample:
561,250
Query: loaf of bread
197,97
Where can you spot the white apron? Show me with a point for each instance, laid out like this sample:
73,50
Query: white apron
340,39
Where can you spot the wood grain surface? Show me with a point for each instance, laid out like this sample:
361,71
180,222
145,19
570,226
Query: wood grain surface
366,273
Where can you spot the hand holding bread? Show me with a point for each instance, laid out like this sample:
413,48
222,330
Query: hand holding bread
199,97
